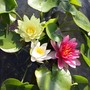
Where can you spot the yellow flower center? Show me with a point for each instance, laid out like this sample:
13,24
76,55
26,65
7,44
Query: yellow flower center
30,30
40,50
66,50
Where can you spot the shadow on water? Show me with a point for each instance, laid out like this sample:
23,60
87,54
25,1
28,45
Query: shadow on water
14,66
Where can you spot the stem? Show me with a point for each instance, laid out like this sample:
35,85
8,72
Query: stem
24,75
18,15
41,16
25,72
65,24
72,30
6,30
63,21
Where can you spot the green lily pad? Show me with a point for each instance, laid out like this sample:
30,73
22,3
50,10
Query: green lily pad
86,56
87,87
52,30
75,2
53,80
67,7
15,84
7,6
82,21
43,5
80,79
10,42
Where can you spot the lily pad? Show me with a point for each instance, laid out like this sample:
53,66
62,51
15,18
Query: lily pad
15,84
52,30
53,80
82,21
43,5
10,42
76,2
7,6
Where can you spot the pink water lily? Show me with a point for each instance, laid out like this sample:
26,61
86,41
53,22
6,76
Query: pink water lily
66,52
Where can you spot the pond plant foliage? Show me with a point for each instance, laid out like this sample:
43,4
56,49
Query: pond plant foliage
50,47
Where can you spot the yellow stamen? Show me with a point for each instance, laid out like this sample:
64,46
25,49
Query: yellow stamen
30,30
40,50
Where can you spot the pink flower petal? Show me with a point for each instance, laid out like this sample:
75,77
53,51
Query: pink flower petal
71,63
66,39
74,57
77,52
57,55
72,44
74,63
73,40
66,53
77,62
60,64
52,54
53,43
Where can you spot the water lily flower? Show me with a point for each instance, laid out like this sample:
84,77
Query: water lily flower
31,29
66,52
39,53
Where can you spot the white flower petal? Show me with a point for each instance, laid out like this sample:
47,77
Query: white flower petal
35,54
34,43
47,51
47,57
33,59
31,27
20,23
16,30
44,46
40,60
39,53
25,18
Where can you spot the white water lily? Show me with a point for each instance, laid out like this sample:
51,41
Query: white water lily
39,53
31,29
